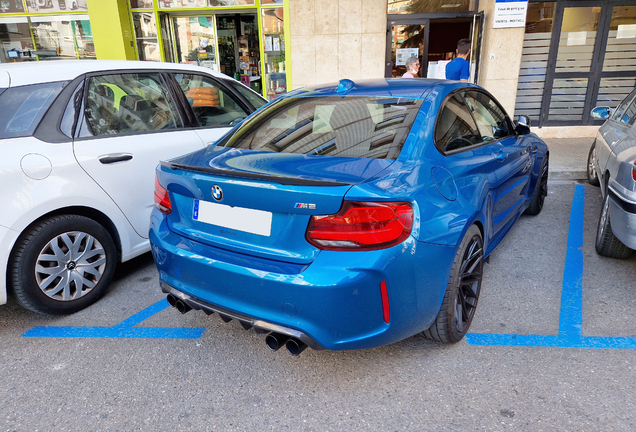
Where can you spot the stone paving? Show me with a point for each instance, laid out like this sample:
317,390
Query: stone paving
568,157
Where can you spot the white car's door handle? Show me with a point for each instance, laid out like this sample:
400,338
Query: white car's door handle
114,158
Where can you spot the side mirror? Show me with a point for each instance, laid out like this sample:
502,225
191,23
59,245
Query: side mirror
601,112
522,125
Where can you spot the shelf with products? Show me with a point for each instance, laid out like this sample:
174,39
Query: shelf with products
248,47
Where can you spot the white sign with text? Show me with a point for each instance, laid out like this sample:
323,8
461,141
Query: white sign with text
509,13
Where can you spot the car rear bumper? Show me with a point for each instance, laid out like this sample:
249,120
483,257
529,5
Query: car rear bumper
335,301
622,211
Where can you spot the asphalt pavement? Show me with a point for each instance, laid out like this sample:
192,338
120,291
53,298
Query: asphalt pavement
551,348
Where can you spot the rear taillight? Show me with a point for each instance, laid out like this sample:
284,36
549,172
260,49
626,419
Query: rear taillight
634,171
162,199
362,226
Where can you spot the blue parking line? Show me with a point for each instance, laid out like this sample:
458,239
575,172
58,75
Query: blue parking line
124,329
570,320
571,313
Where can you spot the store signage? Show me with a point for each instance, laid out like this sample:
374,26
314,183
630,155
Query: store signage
510,13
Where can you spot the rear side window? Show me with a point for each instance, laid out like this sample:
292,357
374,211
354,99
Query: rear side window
456,128
359,127
130,103
619,113
491,119
23,108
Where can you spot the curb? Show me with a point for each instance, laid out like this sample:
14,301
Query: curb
567,175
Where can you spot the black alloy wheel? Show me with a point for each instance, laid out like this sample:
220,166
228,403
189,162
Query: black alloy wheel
462,292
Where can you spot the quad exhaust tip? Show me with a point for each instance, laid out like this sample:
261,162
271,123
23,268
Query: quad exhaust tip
178,304
274,341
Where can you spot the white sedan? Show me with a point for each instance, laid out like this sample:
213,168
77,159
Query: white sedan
80,141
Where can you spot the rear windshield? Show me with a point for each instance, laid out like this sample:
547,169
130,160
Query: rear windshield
23,108
358,127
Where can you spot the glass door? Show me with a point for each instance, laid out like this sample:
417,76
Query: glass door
195,40
574,54
228,48
406,40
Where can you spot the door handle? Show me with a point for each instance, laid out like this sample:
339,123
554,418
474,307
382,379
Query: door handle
113,158
501,156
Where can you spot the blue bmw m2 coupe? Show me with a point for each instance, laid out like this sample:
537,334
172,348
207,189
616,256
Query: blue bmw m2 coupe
348,216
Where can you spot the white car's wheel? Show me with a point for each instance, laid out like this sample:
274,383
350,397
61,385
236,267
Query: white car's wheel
62,265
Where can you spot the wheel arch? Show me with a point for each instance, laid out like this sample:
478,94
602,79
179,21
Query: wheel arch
605,182
88,212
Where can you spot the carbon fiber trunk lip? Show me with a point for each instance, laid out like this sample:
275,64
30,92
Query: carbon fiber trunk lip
259,326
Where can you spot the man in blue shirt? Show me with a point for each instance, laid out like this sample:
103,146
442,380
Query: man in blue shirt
459,69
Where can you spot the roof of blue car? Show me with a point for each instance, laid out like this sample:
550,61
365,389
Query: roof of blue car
415,88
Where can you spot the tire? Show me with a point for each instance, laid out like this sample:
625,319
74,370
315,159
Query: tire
462,291
607,244
592,176
68,244
540,190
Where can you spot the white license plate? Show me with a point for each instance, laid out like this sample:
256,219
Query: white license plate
235,218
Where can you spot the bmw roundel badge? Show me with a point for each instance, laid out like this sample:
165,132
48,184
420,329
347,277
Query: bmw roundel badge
217,192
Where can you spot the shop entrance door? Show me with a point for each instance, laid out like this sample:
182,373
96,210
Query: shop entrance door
433,38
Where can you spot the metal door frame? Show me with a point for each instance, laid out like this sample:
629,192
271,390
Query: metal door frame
425,19
595,73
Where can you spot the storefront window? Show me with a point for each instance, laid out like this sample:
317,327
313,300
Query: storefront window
42,6
141,4
171,4
621,43
540,17
429,6
195,40
620,56
568,99
15,40
63,37
11,7
534,59
146,36
231,2
274,47
578,36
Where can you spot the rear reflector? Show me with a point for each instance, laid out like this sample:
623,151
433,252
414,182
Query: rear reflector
162,199
385,302
362,226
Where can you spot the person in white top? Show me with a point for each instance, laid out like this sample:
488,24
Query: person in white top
412,67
